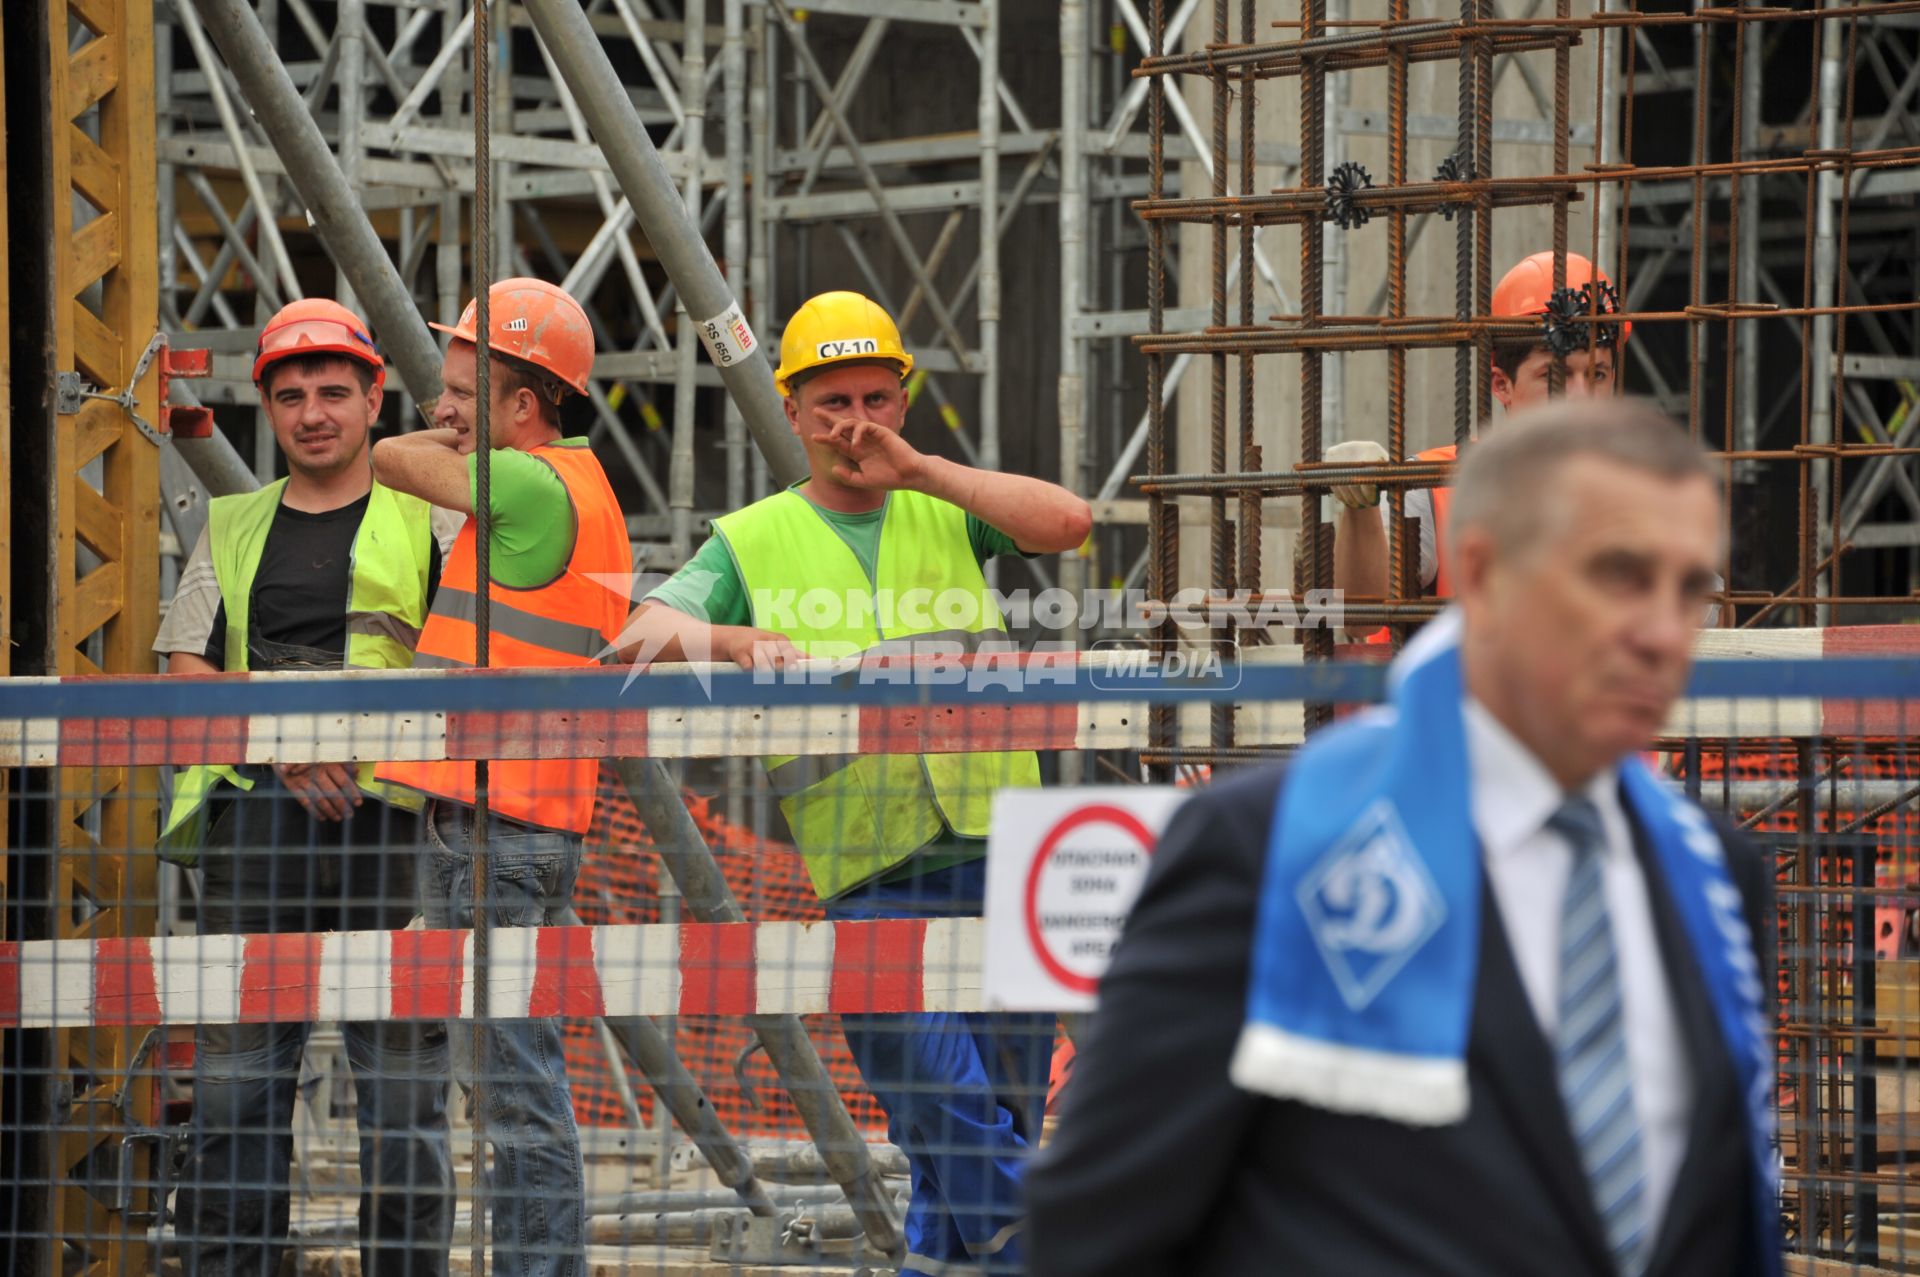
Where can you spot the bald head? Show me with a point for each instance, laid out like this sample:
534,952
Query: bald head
1584,537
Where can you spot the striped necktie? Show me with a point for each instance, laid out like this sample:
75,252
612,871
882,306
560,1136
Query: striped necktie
1590,1048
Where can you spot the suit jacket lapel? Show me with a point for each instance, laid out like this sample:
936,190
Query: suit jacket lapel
1507,1047
1706,1055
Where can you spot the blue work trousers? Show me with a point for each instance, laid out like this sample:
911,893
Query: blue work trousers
270,868
964,1094
535,1190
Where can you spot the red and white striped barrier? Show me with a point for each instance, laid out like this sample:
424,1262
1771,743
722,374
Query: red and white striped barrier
829,728
769,968
702,732
1800,716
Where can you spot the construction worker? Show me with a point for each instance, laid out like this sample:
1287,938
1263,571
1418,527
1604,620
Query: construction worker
886,836
321,569
1520,378
558,539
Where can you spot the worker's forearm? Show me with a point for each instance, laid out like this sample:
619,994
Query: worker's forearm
1360,557
425,465
1041,517
190,663
656,632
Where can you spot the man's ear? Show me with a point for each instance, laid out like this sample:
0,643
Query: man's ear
1502,386
526,407
793,413
376,396
1471,556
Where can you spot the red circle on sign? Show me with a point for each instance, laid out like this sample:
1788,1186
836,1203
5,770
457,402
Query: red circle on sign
1097,815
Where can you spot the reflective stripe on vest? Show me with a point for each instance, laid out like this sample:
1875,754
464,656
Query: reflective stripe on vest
571,621
1442,503
856,817
388,569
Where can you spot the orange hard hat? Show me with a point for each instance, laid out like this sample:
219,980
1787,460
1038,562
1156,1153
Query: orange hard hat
316,326
534,321
1527,289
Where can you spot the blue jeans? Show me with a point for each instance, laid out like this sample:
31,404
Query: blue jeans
964,1094
536,1187
269,867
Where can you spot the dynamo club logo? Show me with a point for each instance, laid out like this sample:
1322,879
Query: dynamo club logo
1370,904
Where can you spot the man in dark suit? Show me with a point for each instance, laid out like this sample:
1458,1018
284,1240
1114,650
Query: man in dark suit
1584,547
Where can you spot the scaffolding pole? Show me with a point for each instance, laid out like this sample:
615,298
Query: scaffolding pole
662,214
331,202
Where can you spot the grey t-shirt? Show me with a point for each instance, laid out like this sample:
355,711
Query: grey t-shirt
1418,505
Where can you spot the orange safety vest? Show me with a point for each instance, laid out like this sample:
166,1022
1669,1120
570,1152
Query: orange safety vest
566,623
1442,501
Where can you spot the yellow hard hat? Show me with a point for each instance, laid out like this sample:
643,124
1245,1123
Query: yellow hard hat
836,328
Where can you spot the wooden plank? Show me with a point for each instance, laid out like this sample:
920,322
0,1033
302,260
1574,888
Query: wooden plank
6,473
99,875
94,173
92,73
101,16
99,525
96,427
1807,1266
1896,1007
120,519
96,250
96,347
95,598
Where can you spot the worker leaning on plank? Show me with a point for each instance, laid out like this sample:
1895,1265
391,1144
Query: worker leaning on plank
560,563
322,569
829,567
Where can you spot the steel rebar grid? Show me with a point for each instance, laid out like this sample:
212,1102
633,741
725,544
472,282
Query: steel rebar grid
1317,538
1163,515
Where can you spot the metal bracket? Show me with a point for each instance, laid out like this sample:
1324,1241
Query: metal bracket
1455,168
71,390
1564,333
803,1235
1346,181
167,1142
740,1074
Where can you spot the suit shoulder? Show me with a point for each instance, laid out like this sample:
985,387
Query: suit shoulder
1225,823
1748,863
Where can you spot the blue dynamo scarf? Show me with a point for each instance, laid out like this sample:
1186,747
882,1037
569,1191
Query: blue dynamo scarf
1365,961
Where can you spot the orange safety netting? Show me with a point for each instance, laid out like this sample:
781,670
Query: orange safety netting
618,884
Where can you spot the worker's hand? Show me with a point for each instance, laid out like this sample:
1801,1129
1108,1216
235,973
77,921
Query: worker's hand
756,650
1356,496
875,457
328,791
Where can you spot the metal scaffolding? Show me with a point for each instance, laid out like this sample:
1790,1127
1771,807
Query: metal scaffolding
1721,165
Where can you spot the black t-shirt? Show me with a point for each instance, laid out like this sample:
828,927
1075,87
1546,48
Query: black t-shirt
300,588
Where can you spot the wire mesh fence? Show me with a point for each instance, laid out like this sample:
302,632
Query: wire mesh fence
701,1035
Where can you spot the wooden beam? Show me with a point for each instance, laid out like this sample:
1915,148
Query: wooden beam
95,174
96,250
92,73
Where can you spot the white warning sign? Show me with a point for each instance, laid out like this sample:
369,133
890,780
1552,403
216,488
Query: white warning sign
1063,869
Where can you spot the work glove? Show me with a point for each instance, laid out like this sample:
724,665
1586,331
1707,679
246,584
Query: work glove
1356,496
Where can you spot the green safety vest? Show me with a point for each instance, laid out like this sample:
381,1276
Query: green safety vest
856,816
386,606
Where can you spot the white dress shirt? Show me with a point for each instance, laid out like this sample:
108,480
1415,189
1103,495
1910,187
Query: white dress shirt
1528,867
